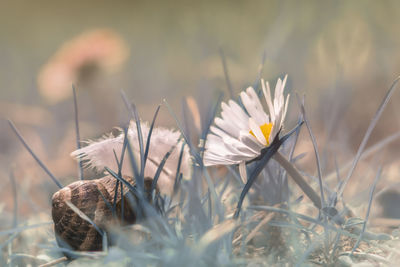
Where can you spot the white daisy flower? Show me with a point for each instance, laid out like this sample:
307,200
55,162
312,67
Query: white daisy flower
241,134
100,154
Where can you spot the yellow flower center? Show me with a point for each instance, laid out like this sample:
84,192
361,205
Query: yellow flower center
266,131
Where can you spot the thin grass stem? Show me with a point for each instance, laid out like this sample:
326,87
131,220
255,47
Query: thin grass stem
78,138
41,164
371,196
226,72
298,179
315,146
371,127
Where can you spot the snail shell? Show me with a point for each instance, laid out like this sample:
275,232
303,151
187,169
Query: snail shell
78,234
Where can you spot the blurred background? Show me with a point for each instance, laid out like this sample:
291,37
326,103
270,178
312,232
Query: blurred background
343,55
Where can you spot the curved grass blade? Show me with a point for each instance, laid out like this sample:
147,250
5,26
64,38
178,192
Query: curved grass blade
114,206
9,240
15,199
235,175
122,202
108,204
371,126
54,262
214,234
260,69
298,179
78,138
124,146
130,187
84,216
315,146
132,159
292,159
226,73
214,197
213,194
211,118
41,164
192,149
74,254
178,175
119,163
224,187
160,168
262,160
185,115
23,228
368,152
371,195
266,155
140,202
140,179
146,152
132,108
26,258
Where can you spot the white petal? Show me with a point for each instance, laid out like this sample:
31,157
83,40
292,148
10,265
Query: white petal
278,88
234,158
253,106
257,131
274,131
218,131
243,171
241,148
228,127
224,147
267,95
285,110
232,118
210,160
241,115
213,142
250,141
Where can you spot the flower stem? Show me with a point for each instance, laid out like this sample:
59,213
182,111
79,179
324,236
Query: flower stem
298,178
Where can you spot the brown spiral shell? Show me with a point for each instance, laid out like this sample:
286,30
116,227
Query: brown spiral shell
78,234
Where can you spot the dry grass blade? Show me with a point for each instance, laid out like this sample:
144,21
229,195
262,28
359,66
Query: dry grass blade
135,116
370,256
23,228
84,216
315,146
260,69
253,232
226,72
41,164
15,198
298,178
215,233
54,262
194,111
371,195
78,138
371,127
368,152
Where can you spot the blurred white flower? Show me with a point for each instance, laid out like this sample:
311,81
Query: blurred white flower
100,154
241,134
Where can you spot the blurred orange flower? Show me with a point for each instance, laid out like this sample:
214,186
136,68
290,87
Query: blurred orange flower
101,49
